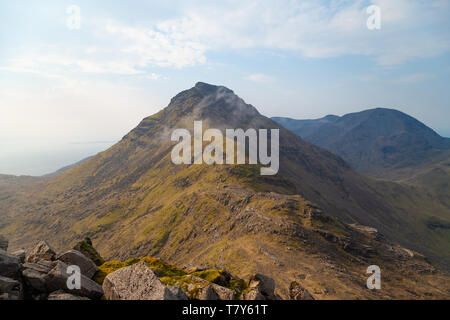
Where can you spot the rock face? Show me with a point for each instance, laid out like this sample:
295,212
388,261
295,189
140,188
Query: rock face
57,278
42,277
136,282
261,287
297,292
41,251
19,254
223,293
178,293
9,288
86,248
9,264
7,284
47,278
10,285
74,257
208,293
3,243
253,294
34,275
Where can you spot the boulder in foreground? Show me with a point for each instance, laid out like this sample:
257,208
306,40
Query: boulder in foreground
56,280
137,282
74,257
3,243
297,292
9,264
42,251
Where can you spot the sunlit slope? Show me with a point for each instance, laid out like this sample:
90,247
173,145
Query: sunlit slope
131,200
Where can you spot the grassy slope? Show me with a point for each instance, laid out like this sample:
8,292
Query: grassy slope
132,201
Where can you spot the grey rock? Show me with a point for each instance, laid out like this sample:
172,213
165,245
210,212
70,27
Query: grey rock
297,292
223,293
3,243
41,251
34,274
7,284
40,266
254,294
19,254
263,284
178,293
35,279
62,295
136,282
57,278
4,296
208,293
9,264
74,257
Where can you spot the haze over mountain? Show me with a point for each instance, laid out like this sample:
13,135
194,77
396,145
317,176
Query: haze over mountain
306,220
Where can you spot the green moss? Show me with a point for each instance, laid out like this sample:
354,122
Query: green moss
161,268
86,246
187,283
220,277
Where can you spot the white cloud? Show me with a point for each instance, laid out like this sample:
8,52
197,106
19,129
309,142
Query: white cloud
259,77
314,29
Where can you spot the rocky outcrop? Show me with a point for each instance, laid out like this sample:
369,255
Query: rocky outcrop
178,293
10,285
9,264
74,257
19,254
10,289
297,292
261,287
41,251
253,294
38,276
86,248
41,274
222,292
136,282
3,243
34,276
57,279
208,293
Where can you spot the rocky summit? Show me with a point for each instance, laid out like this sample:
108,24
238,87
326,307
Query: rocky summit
144,278
309,232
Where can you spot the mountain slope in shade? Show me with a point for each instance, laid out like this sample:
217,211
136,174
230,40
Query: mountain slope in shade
375,141
302,223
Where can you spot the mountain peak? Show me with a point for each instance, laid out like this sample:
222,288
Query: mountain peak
207,89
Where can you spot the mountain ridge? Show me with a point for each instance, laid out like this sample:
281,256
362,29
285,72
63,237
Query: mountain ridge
374,140
131,200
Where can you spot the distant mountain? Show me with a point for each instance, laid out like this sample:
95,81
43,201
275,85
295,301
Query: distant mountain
317,221
377,141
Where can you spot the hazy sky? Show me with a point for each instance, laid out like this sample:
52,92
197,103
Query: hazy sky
67,92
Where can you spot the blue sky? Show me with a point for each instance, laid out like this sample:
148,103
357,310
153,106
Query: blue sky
62,87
